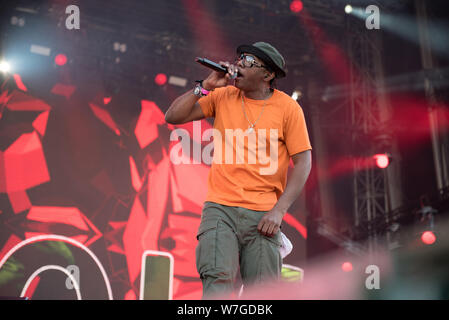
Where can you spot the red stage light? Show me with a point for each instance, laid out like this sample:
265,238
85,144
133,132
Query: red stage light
382,160
346,266
296,6
160,79
428,237
106,100
61,59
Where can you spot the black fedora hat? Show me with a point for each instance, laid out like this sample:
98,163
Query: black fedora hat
268,54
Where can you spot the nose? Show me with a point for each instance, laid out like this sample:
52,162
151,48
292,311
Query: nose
239,63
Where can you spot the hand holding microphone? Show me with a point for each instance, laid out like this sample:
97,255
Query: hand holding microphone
223,72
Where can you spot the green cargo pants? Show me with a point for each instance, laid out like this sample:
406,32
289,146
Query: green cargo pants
229,242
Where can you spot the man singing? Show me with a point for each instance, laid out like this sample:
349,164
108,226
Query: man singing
248,193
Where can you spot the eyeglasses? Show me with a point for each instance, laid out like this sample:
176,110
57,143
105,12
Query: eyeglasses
249,61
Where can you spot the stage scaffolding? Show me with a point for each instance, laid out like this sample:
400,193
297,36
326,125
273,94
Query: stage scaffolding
378,201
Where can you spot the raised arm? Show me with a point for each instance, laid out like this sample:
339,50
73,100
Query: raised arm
186,108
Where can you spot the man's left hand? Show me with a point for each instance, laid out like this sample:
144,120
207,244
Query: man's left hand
270,223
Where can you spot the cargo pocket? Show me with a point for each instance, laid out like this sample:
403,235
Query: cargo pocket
271,259
206,248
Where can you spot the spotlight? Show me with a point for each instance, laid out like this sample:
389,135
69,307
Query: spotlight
297,94
38,49
160,79
348,8
120,47
382,160
428,237
5,66
61,59
106,100
296,6
346,266
177,81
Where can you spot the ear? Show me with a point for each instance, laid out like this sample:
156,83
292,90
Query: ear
269,75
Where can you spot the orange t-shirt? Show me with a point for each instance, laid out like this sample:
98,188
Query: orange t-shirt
251,169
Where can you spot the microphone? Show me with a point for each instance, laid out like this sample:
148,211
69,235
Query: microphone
214,66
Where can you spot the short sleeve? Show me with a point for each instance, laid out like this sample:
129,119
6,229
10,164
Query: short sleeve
296,135
208,103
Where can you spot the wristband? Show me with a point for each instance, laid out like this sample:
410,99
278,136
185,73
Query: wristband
199,90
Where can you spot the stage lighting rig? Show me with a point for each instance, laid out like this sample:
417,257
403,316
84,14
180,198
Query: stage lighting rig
348,8
5,67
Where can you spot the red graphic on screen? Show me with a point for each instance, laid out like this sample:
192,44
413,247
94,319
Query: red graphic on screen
105,117
63,90
43,220
19,82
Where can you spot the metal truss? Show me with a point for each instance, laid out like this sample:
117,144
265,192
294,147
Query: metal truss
367,110
367,119
440,142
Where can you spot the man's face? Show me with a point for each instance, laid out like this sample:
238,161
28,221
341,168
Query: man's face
252,72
